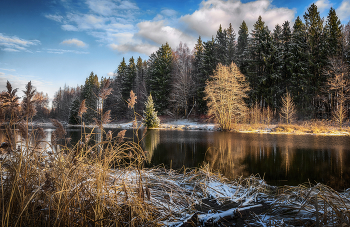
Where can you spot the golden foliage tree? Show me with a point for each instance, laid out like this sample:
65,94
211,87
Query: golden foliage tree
288,110
225,92
340,86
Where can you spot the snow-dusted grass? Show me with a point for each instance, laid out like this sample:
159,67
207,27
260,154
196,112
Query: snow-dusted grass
313,127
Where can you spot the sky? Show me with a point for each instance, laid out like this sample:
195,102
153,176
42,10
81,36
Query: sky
54,43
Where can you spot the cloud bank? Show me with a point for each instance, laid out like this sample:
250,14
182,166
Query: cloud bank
206,20
15,44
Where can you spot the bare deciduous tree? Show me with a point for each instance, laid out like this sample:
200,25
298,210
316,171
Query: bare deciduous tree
288,111
338,89
225,92
182,84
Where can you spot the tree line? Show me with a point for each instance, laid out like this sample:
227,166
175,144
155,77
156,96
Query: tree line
304,60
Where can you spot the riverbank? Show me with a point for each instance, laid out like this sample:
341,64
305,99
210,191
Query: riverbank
302,128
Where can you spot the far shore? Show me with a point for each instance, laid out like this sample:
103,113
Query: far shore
294,129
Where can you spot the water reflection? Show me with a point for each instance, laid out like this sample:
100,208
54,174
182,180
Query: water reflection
280,159
150,143
283,159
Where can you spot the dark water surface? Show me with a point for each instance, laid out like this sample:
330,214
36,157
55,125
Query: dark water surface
279,159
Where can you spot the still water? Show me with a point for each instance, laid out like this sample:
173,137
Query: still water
279,159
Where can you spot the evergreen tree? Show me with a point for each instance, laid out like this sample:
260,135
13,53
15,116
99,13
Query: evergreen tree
346,45
231,45
90,93
140,85
73,113
221,53
286,67
274,62
159,76
333,34
150,115
242,44
260,48
299,85
199,76
316,47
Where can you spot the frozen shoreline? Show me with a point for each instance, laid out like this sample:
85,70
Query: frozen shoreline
193,125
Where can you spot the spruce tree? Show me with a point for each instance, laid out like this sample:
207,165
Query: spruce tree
90,93
140,84
333,34
231,45
242,44
150,115
299,85
159,76
260,48
221,53
286,67
316,47
199,76
73,113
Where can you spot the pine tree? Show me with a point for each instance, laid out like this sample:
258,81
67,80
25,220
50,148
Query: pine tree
299,85
90,93
140,84
150,115
221,53
316,47
274,62
159,76
333,34
286,67
346,45
199,76
231,45
73,113
260,47
242,44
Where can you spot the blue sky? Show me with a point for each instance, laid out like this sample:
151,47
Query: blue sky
58,42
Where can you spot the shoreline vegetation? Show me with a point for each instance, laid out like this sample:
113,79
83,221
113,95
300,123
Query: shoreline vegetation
103,182
322,128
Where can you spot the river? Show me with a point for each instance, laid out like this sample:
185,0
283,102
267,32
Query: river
279,159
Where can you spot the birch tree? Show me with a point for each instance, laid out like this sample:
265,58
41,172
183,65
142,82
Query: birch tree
288,111
182,82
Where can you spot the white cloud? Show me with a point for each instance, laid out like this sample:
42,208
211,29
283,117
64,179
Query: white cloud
62,51
143,48
74,42
20,81
160,33
11,70
323,5
57,18
343,11
10,50
15,44
69,27
110,74
206,20
109,7
169,12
